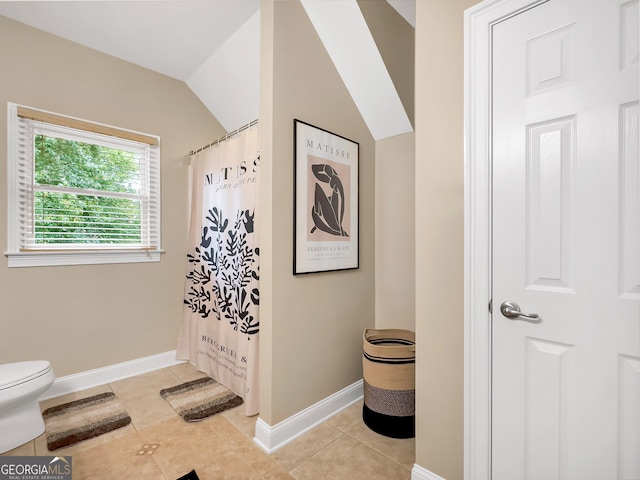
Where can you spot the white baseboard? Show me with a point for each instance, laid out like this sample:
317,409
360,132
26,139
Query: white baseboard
270,438
419,473
100,376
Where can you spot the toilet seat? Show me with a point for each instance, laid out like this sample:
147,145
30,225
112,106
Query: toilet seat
13,374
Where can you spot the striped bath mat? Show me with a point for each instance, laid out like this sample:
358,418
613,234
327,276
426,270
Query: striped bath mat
72,422
200,399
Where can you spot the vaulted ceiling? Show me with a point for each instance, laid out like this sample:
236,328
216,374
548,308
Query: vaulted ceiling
193,41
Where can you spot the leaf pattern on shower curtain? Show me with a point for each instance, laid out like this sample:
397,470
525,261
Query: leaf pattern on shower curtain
222,268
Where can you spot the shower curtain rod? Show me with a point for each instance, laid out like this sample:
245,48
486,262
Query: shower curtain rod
225,137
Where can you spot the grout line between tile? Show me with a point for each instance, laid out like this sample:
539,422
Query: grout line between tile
312,456
378,451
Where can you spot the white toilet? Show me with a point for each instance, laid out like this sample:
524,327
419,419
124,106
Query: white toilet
21,384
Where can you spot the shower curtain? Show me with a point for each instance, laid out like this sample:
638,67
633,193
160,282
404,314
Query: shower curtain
220,326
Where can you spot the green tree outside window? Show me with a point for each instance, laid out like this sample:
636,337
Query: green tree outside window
63,215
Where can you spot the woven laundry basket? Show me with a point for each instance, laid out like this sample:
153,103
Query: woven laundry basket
388,368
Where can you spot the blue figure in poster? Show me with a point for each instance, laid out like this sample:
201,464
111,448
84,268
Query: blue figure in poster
327,211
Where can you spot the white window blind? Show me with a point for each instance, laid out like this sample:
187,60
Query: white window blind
80,192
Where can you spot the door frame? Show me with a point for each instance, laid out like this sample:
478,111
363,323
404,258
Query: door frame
478,23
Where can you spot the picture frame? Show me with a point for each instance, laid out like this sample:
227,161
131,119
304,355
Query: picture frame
326,201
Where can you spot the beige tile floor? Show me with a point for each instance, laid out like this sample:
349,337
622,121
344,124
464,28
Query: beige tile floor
222,446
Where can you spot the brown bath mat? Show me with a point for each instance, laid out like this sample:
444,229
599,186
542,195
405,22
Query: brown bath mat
200,399
72,422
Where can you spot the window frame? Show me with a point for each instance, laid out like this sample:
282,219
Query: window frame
19,157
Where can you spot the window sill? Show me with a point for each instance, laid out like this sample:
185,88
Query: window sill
79,257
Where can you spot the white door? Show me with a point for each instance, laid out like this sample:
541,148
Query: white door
566,242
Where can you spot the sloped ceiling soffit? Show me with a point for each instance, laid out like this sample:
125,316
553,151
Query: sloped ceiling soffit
193,41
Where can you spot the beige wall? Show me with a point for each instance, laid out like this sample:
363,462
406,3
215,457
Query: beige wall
395,39
395,232
85,317
439,236
311,325
395,168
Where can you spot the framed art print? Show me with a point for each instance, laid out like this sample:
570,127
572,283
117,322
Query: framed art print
326,209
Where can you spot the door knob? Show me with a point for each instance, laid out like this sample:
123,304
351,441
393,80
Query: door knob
512,310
